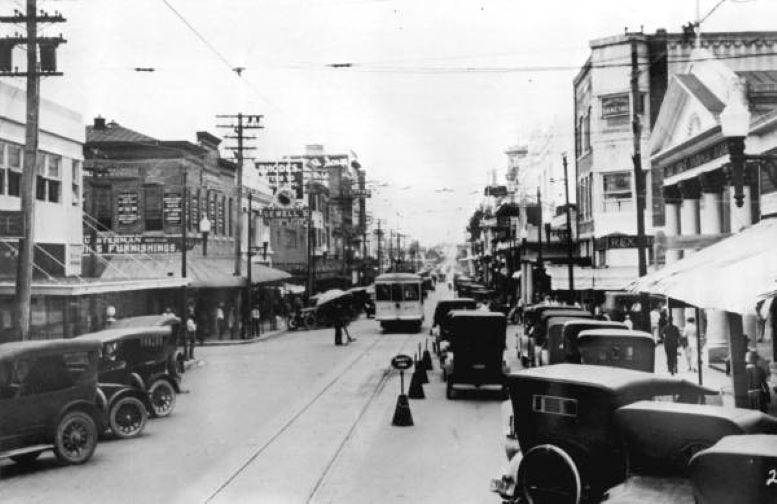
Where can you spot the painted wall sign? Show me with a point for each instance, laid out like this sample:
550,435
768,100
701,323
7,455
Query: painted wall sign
172,207
127,207
615,105
620,242
134,244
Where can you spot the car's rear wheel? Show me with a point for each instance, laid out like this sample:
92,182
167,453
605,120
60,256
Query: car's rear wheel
75,438
162,396
26,459
127,417
549,475
292,324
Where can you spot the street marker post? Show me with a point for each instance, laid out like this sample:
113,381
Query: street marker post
402,415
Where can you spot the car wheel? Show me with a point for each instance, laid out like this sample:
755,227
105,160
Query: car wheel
162,396
26,459
75,438
127,417
291,323
548,475
310,322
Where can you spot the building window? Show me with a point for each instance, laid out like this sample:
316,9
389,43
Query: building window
76,183
40,188
102,206
587,132
617,191
15,157
153,208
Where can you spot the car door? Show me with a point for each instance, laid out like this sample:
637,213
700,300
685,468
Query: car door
44,392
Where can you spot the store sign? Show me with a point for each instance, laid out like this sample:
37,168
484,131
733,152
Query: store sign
616,105
361,193
127,207
133,244
173,206
11,224
283,213
620,242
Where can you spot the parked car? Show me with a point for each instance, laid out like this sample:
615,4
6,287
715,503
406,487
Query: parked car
572,330
143,357
534,318
48,392
146,321
548,336
125,409
441,312
739,469
476,351
618,347
564,443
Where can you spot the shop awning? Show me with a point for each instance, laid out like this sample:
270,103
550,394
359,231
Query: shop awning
202,272
732,274
74,286
603,279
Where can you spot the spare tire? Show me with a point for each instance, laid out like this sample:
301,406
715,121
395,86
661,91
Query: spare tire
548,475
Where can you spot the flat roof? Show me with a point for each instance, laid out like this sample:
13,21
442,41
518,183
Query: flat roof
629,333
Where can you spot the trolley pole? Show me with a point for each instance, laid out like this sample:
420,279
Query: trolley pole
570,244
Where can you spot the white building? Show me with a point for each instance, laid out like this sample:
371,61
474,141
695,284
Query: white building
58,227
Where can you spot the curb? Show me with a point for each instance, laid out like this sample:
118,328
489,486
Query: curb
230,342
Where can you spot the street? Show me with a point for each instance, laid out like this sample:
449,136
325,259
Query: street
292,419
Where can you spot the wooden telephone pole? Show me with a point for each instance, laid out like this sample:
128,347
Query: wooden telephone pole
47,67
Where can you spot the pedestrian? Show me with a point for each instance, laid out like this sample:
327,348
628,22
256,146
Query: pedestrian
337,322
671,340
346,321
221,321
191,334
655,317
628,322
256,322
232,324
758,393
688,340
663,320
110,316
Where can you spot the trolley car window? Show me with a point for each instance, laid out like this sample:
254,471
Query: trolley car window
396,292
411,292
382,292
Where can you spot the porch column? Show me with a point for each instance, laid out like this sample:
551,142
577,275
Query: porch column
710,222
738,350
672,201
689,209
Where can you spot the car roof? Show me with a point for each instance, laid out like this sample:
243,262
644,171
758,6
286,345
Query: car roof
566,312
109,335
593,322
763,445
455,301
145,321
475,314
614,379
624,333
398,277
16,349
748,420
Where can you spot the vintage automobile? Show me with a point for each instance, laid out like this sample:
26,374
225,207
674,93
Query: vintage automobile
146,321
550,342
740,469
476,353
441,311
48,393
564,442
142,357
570,333
617,347
534,328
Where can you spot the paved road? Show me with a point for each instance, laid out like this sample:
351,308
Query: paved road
290,419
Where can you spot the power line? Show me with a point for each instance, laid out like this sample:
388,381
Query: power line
199,35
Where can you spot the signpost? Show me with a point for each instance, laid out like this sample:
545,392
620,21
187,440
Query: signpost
402,415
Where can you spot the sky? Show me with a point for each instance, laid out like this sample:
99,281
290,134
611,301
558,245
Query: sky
428,128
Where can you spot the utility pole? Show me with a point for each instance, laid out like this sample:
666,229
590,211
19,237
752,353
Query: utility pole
184,239
309,290
379,233
636,129
251,122
570,244
539,228
47,67
249,275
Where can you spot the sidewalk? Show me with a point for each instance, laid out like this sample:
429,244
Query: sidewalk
711,378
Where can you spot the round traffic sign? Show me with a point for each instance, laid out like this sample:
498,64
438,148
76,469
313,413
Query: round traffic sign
402,362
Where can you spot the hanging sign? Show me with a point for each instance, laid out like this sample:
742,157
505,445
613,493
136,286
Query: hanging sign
283,213
361,193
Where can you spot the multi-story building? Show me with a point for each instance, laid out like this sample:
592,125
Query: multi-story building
604,143
690,153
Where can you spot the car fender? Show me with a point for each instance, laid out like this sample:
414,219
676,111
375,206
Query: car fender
168,378
130,392
93,409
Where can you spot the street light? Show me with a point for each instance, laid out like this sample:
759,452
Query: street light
734,124
205,230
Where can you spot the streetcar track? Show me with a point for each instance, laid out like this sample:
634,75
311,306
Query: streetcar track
378,388
299,413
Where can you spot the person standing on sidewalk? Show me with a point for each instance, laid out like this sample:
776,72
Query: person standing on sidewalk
221,321
691,347
191,333
671,339
256,322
